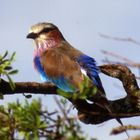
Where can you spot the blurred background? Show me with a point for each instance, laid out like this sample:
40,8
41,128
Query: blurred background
81,23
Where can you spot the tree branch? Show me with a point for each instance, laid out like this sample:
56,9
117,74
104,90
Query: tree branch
87,112
27,87
120,129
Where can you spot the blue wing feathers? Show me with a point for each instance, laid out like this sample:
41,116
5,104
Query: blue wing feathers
89,65
86,62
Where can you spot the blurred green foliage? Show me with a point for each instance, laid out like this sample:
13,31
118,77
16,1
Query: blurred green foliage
28,121
6,68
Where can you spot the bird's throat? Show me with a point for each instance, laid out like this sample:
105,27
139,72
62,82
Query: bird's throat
45,45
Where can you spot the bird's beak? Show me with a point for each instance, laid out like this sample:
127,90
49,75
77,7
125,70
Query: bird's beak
31,35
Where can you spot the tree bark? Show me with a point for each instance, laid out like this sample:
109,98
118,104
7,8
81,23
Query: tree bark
91,113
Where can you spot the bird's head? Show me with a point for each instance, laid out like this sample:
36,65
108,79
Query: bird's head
45,35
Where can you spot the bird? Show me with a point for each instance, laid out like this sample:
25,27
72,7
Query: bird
58,62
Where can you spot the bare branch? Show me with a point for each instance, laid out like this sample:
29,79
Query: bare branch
131,40
127,61
27,87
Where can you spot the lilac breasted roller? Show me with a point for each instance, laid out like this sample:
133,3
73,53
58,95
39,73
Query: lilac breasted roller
59,62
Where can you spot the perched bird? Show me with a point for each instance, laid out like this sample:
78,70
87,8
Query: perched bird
60,63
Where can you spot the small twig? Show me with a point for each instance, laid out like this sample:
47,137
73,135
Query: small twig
138,78
120,129
127,61
131,40
70,108
61,109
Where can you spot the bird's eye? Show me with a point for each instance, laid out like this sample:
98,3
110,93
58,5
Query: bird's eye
46,30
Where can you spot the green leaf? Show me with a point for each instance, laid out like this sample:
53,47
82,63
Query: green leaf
94,90
12,85
43,125
64,94
13,72
13,56
8,68
5,54
4,62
